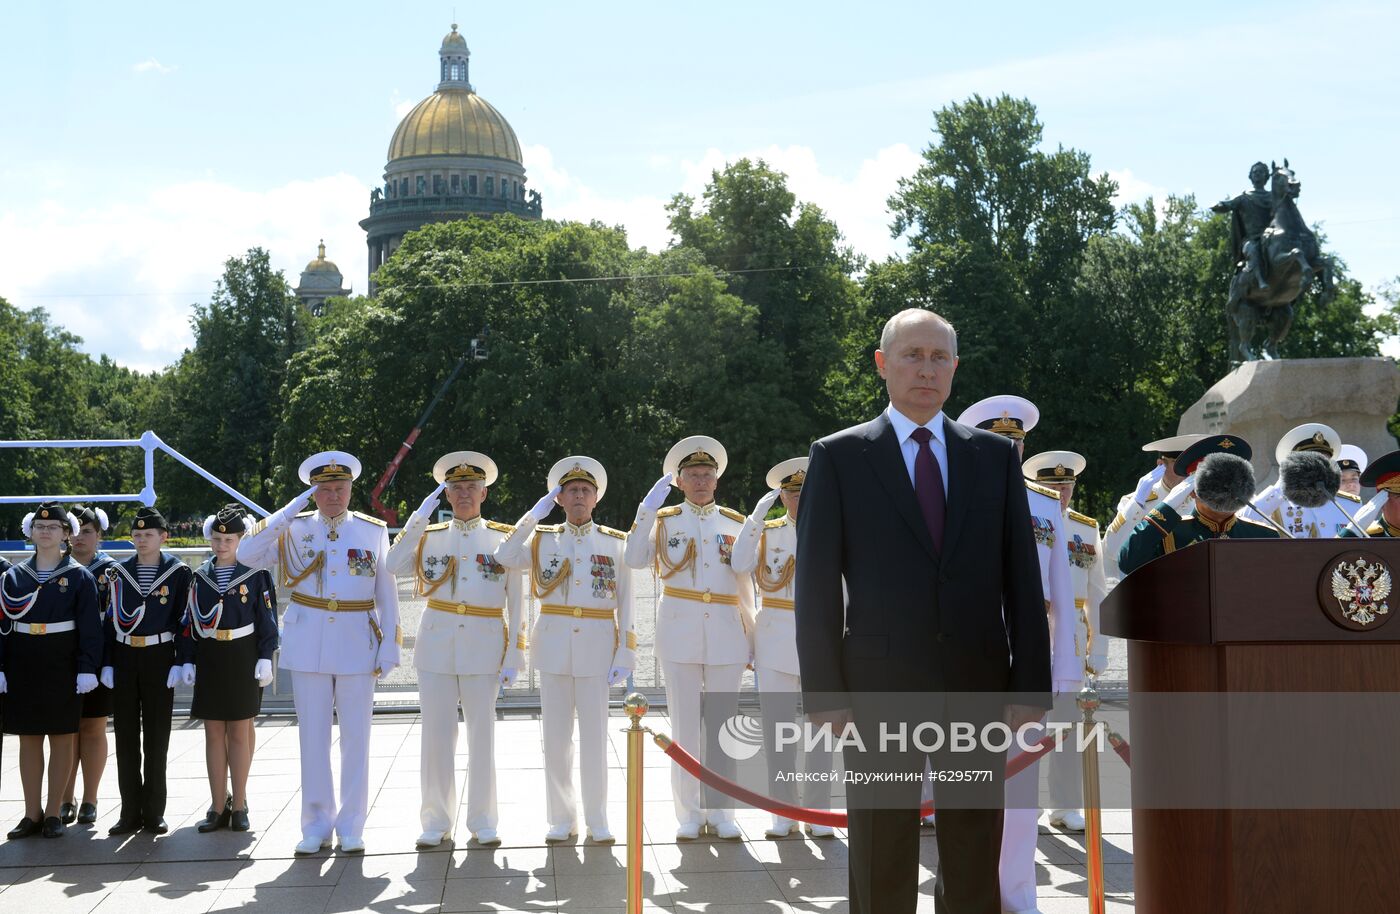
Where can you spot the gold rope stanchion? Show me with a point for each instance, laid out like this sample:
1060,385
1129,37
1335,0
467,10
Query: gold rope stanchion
636,706
1088,701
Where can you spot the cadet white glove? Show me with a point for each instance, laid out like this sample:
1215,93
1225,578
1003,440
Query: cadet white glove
760,510
508,676
3,684
658,493
106,677
542,507
173,678
617,675
1145,484
187,674
430,503
86,683
262,672
385,670
1178,497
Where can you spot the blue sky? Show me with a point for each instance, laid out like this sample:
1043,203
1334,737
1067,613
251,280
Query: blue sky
144,145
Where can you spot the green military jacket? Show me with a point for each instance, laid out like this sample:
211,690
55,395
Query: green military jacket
1381,527
1163,531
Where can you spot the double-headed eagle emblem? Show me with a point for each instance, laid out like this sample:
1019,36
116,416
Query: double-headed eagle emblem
1362,588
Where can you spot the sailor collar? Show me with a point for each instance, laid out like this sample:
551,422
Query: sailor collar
30,566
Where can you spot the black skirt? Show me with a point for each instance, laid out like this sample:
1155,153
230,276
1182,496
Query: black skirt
41,688
98,702
224,687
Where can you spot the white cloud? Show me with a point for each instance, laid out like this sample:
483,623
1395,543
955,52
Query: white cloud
151,65
1132,189
566,197
123,275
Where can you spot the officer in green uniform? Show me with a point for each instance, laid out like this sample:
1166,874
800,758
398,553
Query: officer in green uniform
1383,473
1165,529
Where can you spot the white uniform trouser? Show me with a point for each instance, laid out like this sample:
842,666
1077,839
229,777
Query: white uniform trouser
561,697
777,696
352,698
686,685
1065,767
1018,835
439,694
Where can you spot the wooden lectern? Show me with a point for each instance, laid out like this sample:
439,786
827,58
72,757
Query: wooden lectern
1255,616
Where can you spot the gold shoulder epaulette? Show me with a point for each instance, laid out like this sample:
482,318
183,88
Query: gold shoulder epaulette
549,528
1043,490
669,512
1375,529
609,531
732,514
775,522
442,526
371,518
500,527
258,526
1083,518
307,513
1349,496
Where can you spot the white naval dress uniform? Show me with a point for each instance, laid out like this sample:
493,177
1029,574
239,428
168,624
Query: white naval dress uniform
1018,834
585,627
1124,522
472,628
704,631
1065,775
341,625
769,549
1302,523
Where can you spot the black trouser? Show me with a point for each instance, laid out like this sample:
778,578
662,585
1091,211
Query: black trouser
141,708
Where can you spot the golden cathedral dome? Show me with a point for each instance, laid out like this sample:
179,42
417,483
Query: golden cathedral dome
321,264
454,121
454,39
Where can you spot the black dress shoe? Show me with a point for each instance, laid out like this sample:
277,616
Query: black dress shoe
240,819
156,827
53,827
213,821
125,826
67,813
24,829
87,814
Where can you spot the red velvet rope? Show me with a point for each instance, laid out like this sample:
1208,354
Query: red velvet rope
815,816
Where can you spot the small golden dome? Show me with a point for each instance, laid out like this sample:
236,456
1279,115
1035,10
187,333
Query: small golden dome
321,264
457,122
453,39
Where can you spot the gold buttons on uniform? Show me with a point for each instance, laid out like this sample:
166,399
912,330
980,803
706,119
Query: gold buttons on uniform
461,609
705,597
578,612
332,605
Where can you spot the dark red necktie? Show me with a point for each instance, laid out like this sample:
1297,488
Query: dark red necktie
928,486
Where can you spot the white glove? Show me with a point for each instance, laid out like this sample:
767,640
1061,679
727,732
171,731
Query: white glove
542,507
1145,484
618,675
1371,510
106,677
430,503
385,670
294,506
262,672
760,510
508,676
86,683
3,685
187,674
173,678
658,493
1178,497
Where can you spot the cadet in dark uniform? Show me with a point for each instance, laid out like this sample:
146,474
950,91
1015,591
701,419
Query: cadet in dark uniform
50,648
86,549
1165,529
231,619
147,595
1383,474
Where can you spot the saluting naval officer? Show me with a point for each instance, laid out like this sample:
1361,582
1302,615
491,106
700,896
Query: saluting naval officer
584,641
147,595
1014,417
469,642
1323,522
1384,474
1060,470
1214,488
1154,485
704,619
768,549
340,630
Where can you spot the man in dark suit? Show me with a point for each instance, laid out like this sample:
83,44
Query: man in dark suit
926,521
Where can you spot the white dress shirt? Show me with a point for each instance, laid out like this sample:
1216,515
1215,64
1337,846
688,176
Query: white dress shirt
904,427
